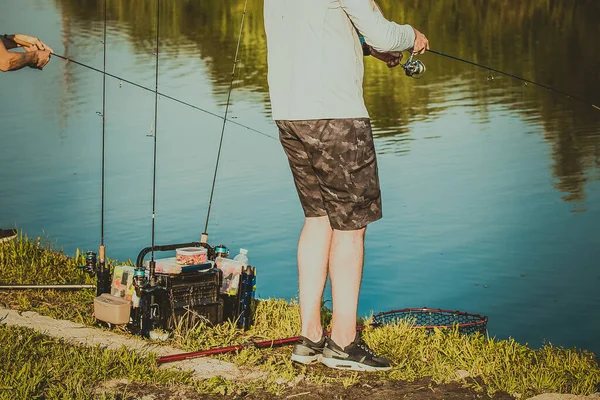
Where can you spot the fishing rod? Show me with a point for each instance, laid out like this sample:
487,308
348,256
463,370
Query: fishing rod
418,69
166,96
92,266
418,318
64,287
236,347
227,349
425,318
155,134
204,236
104,272
103,127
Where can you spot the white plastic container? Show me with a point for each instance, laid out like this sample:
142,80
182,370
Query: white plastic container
166,266
231,274
242,257
192,255
111,309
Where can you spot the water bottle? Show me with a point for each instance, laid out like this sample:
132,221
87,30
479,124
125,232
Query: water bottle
242,257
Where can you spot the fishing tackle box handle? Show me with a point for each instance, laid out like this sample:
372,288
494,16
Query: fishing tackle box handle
170,247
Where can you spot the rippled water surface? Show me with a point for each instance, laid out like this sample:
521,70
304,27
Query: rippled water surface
491,187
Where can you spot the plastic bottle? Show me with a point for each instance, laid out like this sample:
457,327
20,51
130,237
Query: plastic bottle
242,257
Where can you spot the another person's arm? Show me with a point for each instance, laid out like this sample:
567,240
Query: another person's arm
381,34
36,55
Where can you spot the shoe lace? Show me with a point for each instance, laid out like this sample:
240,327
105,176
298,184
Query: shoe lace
366,348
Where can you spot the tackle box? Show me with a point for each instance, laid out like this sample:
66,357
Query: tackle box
194,295
188,317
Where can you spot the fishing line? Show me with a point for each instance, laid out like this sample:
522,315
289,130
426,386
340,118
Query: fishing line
162,94
155,125
235,61
515,77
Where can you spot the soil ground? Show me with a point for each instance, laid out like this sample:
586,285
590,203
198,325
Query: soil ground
421,389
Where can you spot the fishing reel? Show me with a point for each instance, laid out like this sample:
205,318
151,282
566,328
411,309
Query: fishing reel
91,263
414,68
97,269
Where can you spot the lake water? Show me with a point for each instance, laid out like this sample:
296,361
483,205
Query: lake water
491,188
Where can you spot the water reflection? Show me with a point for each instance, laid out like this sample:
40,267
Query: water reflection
537,39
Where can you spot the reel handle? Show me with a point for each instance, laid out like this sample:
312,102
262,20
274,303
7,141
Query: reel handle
87,269
414,68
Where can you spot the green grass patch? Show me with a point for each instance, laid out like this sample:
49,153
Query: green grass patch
34,261
35,366
496,365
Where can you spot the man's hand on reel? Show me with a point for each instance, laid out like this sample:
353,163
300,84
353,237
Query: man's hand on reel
391,59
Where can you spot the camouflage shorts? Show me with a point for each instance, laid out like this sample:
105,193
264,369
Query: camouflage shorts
335,169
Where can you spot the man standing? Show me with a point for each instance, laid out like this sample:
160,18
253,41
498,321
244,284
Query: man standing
315,61
36,55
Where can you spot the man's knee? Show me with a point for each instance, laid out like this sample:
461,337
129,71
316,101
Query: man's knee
358,233
316,222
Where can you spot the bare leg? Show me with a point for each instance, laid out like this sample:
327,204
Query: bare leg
345,270
313,254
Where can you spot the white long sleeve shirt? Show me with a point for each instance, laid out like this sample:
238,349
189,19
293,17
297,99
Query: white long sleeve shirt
315,58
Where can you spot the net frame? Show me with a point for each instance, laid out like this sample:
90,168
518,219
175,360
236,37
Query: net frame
434,318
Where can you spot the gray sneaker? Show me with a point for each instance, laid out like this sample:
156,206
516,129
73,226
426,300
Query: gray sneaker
307,352
357,356
7,234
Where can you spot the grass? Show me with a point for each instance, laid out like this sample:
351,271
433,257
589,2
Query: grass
27,261
498,365
36,366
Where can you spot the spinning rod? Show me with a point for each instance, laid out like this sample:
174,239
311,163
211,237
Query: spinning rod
102,250
411,67
56,287
91,260
425,318
204,237
166,96
236,347
155,134
509,75
103,123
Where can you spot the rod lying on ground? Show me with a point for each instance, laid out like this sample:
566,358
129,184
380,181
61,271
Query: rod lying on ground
223,350
443,319
70,287
228,349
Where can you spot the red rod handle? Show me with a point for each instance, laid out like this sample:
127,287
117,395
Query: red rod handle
223,350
